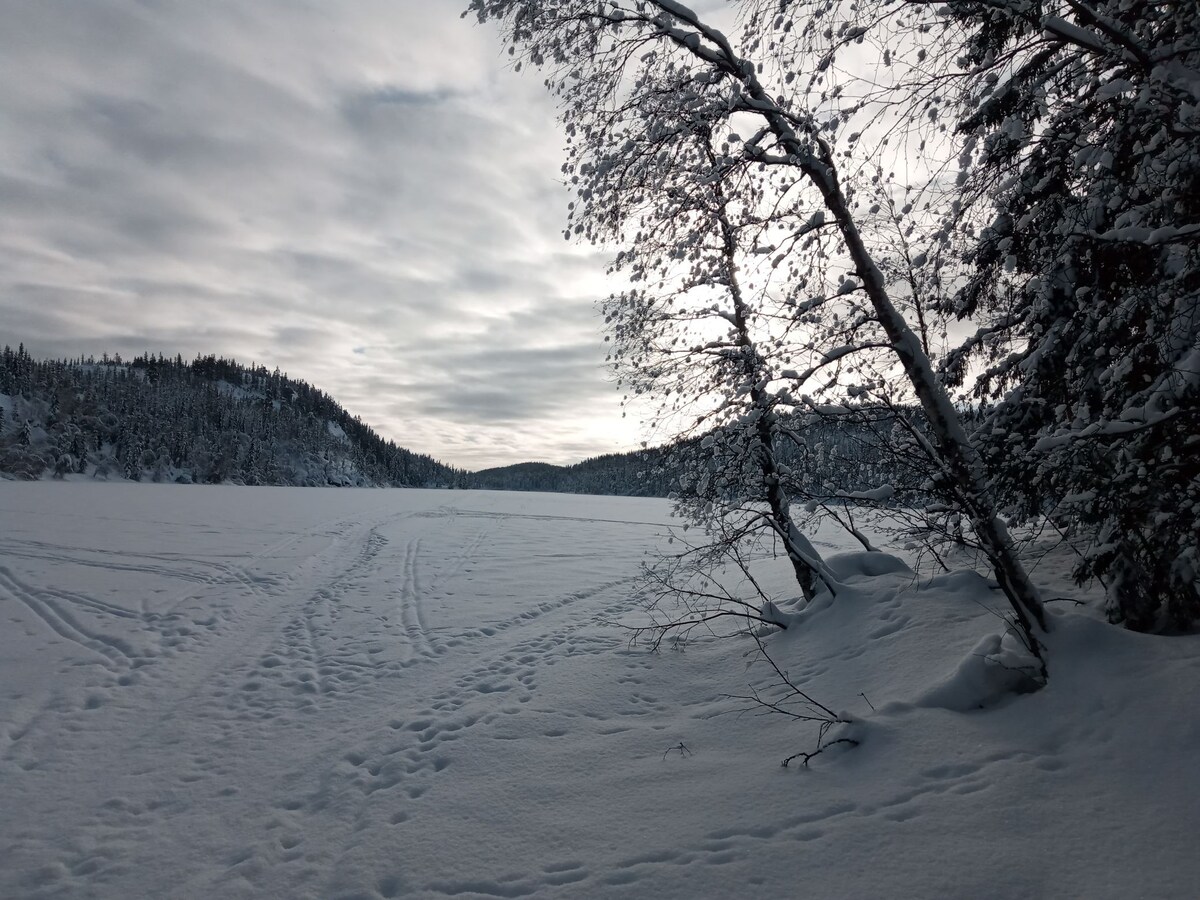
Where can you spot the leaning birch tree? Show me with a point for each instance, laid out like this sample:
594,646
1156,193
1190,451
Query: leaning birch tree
690,332
637,79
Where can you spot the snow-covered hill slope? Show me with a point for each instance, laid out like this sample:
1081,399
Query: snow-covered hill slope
211,420
261,692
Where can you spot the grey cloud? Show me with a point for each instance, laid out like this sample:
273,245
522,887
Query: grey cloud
514,385
355,192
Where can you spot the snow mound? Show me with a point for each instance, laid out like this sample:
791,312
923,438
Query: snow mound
998,667
866,564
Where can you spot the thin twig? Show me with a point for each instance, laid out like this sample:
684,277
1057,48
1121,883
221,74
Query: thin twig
808,756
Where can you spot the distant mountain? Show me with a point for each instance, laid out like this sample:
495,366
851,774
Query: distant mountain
827,458
643,473
209,420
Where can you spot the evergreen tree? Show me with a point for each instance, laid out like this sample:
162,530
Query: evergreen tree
1081,225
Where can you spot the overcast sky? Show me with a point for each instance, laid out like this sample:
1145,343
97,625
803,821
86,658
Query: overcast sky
358,192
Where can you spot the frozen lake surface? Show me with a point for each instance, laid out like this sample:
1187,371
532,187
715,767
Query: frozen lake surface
276,692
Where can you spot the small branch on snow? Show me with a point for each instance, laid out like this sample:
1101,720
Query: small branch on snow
805,757
683,751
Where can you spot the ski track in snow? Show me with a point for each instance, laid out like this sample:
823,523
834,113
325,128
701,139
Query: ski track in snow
227,656
240,692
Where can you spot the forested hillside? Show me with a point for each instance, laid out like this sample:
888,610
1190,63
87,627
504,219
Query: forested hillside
213,420
639,474
210,420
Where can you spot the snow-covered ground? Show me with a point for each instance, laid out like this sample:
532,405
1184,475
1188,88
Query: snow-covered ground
276,692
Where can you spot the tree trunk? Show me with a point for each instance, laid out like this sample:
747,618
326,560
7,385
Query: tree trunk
962,462
803,564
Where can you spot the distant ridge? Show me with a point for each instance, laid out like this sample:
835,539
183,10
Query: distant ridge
215,421
640,473
211,420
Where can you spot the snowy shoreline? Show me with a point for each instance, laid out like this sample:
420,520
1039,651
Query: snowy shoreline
250,692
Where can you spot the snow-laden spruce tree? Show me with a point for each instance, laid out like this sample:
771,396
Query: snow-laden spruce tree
1079,229
638,80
